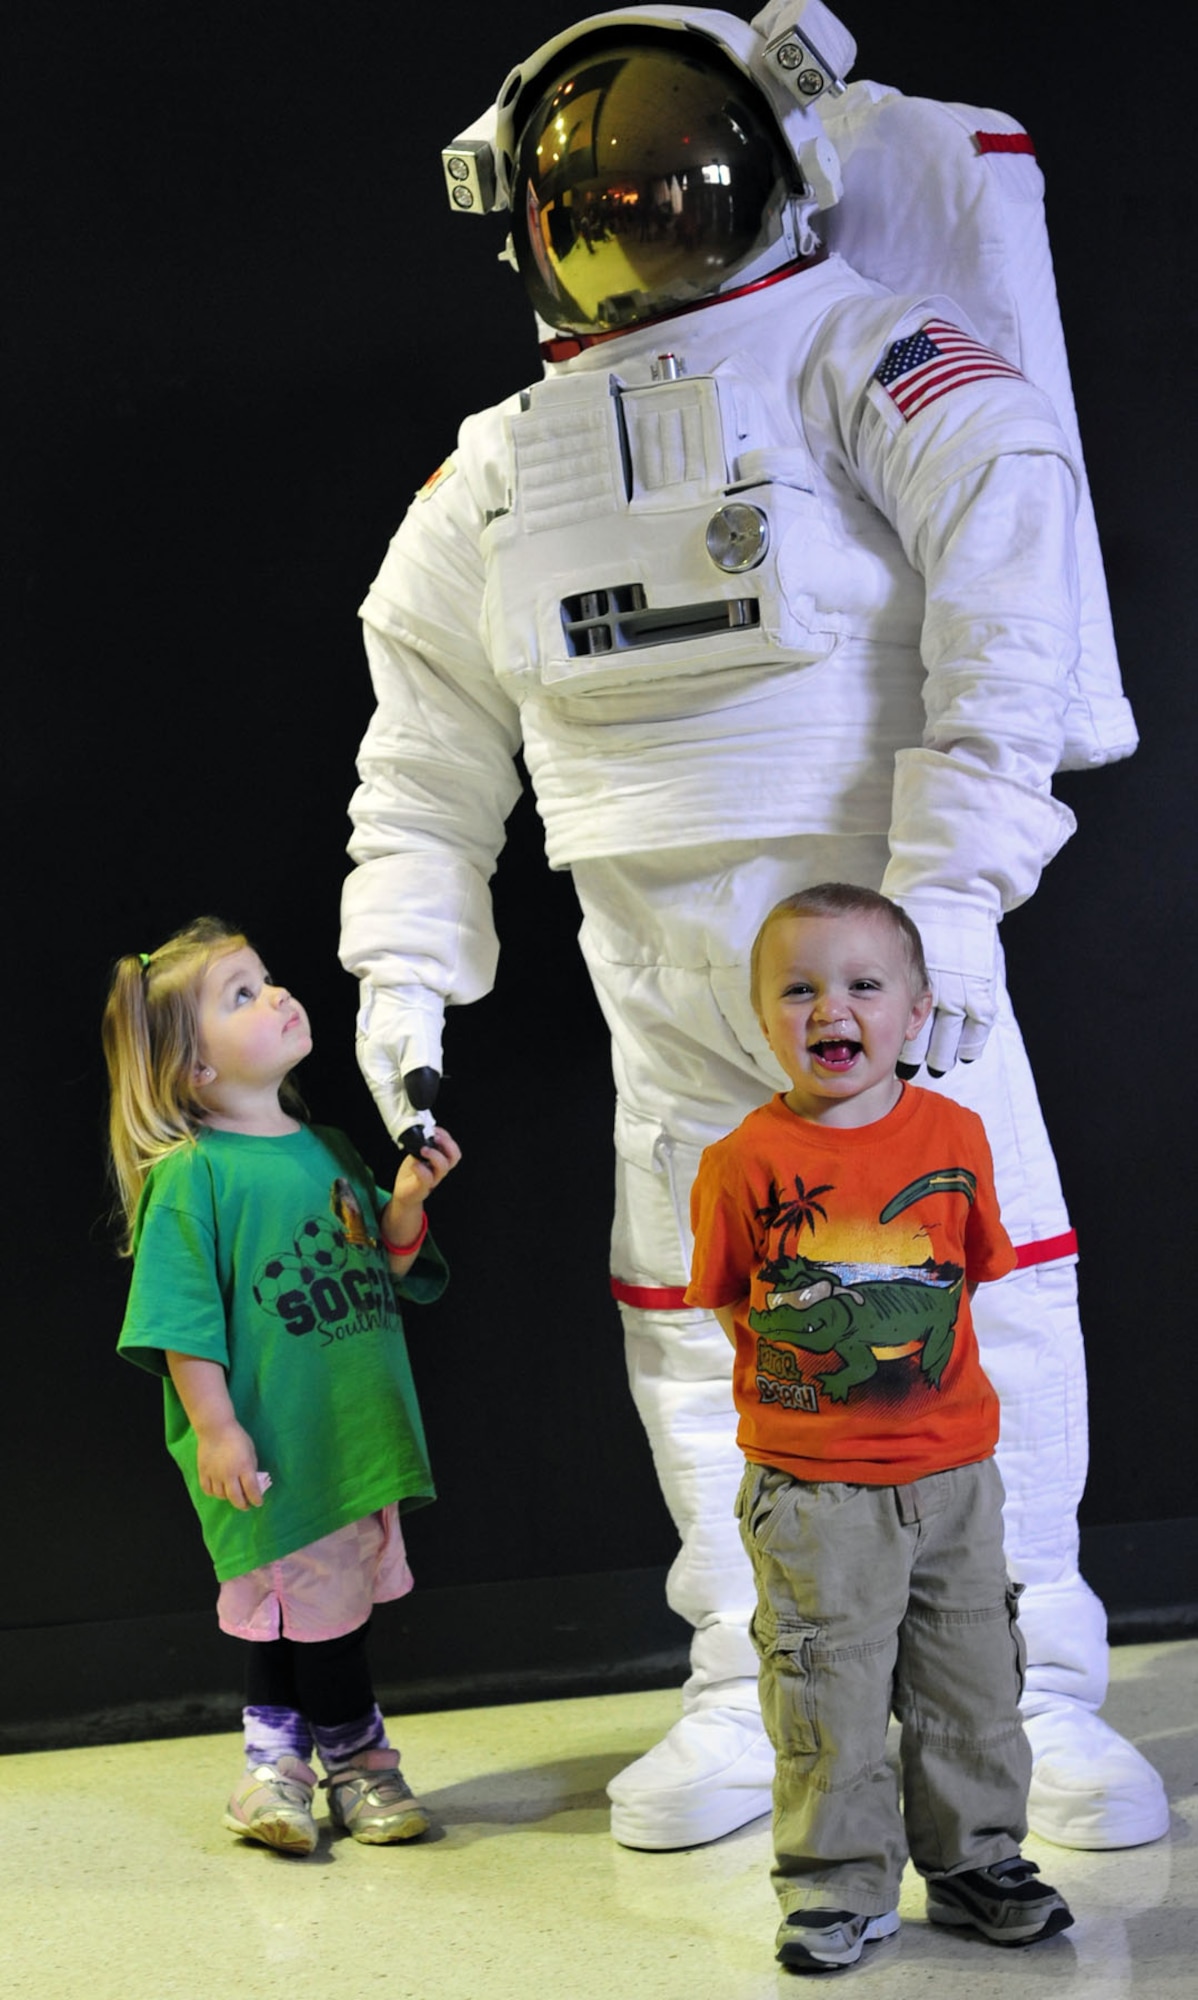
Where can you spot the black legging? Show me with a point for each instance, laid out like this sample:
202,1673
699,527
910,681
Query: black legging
327,1681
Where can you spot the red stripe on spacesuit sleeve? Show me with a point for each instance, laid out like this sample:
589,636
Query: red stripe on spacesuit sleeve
1046,1251
672,1298
1004,142
663,1298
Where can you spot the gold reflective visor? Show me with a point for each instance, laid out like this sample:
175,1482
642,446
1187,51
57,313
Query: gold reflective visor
644,179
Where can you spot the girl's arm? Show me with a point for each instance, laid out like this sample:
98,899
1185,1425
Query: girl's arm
226,1460
402,1222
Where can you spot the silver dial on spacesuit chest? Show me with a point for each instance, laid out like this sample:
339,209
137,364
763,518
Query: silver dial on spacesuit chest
738,537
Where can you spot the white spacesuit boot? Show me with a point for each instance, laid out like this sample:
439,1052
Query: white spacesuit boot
1090,1787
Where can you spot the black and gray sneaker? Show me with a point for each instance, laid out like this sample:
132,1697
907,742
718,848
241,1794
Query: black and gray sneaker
820,1940
1004,1902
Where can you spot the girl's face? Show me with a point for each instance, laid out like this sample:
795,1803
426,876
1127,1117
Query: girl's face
252,1033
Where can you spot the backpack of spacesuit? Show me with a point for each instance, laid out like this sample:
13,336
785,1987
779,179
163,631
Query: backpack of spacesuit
949,198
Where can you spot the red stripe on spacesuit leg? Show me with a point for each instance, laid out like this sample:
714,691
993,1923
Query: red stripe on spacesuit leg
1003,142
1046,1251
662,1298
672,1298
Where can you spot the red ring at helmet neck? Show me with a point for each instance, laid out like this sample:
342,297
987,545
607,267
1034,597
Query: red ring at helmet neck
564,346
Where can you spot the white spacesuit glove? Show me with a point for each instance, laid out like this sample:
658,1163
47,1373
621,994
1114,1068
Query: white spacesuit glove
961,948
399,1054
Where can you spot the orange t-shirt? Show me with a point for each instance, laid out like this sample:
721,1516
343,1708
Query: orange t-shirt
847,1251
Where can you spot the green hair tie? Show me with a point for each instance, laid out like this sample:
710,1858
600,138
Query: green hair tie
144,956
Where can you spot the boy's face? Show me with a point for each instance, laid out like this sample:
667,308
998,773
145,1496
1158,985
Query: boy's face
837,1001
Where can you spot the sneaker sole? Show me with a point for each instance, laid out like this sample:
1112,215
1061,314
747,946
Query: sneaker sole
391,1832
800,1957
953,1916
282,1834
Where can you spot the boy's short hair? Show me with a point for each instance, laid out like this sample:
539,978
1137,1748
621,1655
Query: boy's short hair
841,899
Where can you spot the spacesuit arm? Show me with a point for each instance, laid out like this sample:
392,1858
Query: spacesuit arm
437,780
983,498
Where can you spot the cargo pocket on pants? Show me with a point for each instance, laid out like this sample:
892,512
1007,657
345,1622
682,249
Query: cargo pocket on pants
1014,1593
784,1647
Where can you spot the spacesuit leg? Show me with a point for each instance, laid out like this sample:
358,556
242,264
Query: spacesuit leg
1090,1788
667,939
714,1770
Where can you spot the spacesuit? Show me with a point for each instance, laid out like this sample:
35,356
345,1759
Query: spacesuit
772,579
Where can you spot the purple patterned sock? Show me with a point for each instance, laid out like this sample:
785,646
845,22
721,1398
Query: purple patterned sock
341,1743
271,1733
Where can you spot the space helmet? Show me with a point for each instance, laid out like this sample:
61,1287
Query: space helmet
654,157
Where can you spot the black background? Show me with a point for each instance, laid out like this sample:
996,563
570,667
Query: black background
246,328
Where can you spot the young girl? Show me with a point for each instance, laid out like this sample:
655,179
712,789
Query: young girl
266,1265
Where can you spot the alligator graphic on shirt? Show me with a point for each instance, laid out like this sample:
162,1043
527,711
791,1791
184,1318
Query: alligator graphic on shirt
858,1323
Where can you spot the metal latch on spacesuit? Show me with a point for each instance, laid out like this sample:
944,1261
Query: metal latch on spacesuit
650,536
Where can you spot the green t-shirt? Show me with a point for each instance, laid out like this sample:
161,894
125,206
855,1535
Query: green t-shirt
262,1255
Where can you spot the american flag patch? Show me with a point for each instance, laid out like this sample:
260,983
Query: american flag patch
927,364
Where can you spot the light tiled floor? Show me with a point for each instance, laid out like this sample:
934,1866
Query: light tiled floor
118,1882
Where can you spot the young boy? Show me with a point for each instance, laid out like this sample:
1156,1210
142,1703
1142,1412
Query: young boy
839,1234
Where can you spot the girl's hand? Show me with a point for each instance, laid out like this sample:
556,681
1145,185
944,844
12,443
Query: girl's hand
226,1460
227,1464
418,1177
402,1221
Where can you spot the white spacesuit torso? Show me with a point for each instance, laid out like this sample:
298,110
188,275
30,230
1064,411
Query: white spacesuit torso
664,699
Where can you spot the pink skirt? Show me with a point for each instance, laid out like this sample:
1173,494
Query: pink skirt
323,1591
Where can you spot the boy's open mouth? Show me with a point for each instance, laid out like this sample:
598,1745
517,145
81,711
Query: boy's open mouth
836,1055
